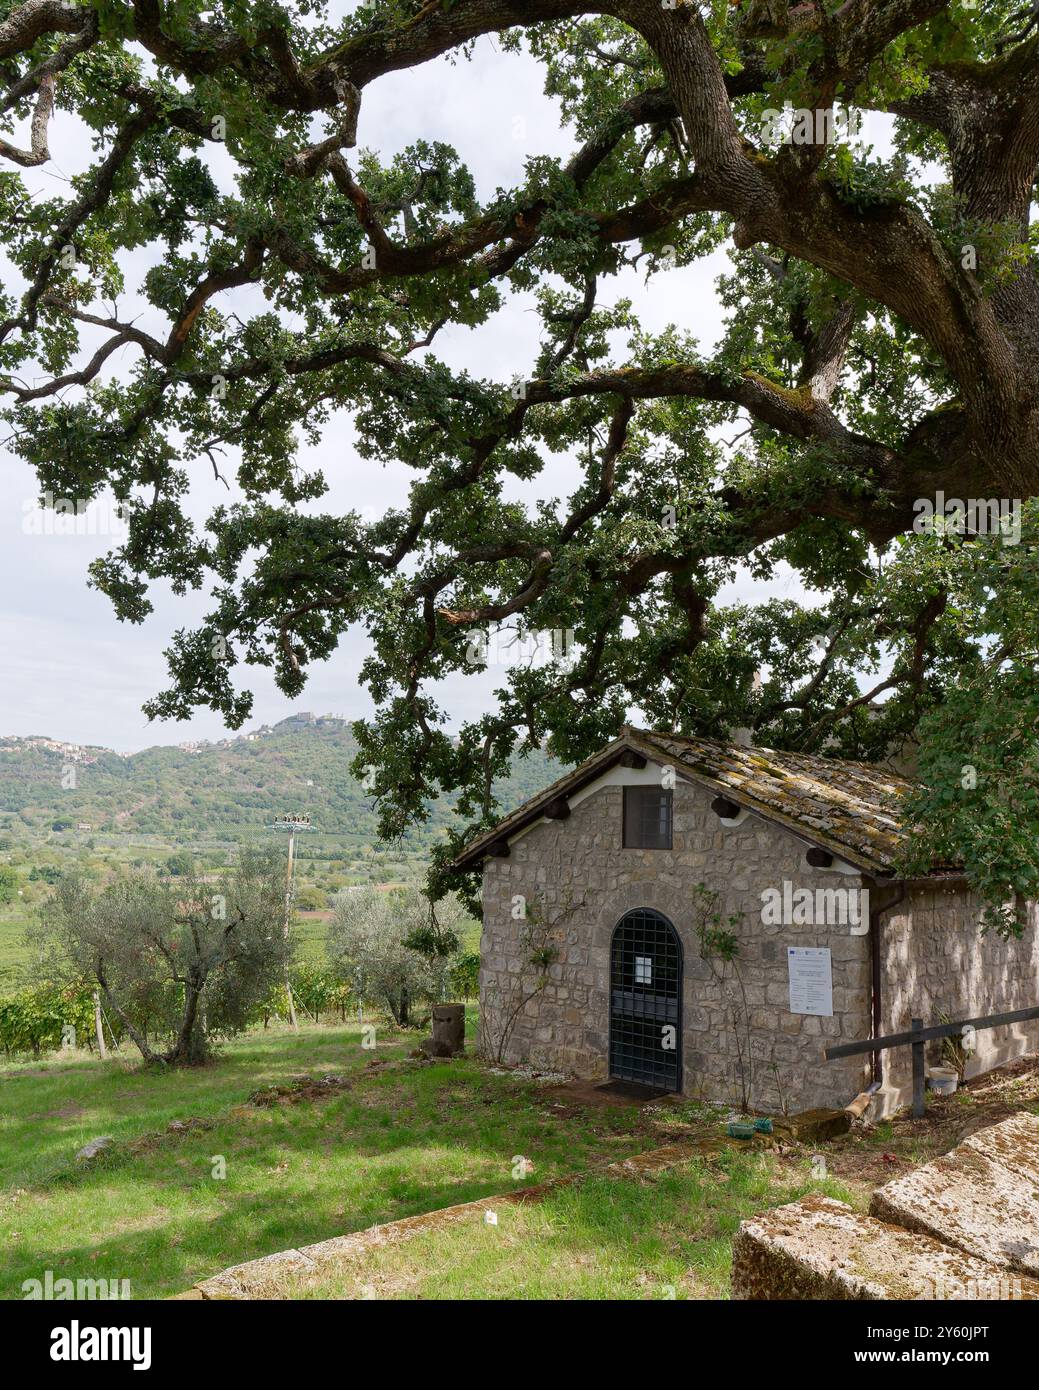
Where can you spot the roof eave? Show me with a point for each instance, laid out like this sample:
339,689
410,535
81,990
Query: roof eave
579,777
634,741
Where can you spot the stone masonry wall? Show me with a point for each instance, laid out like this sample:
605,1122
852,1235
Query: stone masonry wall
934,959
582,860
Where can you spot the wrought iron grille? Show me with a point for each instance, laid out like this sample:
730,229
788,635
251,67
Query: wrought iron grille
646,1001
648,818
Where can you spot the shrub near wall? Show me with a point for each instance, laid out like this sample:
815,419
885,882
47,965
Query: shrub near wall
465,975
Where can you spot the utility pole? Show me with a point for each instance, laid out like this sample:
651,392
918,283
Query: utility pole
291,824
288,914
99,1030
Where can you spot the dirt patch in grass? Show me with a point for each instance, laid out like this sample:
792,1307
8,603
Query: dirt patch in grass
304,1088
311,1088
593,1095
16,1073
176,1129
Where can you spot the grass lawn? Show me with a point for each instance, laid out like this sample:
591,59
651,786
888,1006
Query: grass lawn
407,1138
661,1236
402,1139
656,1236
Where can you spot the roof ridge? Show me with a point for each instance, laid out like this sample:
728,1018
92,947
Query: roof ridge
738,748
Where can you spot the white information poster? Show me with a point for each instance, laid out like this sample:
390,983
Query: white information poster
811,980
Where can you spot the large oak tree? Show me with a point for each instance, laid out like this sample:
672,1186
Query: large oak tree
882,346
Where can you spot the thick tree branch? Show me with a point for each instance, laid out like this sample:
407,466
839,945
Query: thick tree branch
31,20
38,152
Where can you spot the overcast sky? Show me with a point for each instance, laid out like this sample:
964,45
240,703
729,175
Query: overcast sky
70,669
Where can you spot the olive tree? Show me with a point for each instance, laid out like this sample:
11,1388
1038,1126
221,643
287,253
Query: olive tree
187,958
394,948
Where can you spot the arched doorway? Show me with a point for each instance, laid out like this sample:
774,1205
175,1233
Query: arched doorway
646,1000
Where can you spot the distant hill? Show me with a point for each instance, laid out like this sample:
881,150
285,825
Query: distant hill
229,790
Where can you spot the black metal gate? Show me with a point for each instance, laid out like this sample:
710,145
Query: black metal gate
646,1001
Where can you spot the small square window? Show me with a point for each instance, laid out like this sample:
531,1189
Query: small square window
648,813
643,970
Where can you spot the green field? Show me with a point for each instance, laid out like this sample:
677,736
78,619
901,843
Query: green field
311,932
13,951
406,1138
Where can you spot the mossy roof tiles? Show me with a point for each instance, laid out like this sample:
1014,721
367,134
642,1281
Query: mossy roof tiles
850,808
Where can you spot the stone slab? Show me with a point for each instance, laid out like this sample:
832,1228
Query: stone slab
819,1248
1013,1142
982,1196
813,1125
96,1146
238,1281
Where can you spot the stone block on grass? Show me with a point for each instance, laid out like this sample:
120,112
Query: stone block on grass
982,1196
818,1249
812,1125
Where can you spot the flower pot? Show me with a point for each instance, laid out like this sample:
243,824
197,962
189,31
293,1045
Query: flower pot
944,1080
740,1129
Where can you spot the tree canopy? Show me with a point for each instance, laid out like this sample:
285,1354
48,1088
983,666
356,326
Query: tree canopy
190,958
881,350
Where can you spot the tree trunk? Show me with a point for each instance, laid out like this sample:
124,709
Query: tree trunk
183,1049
